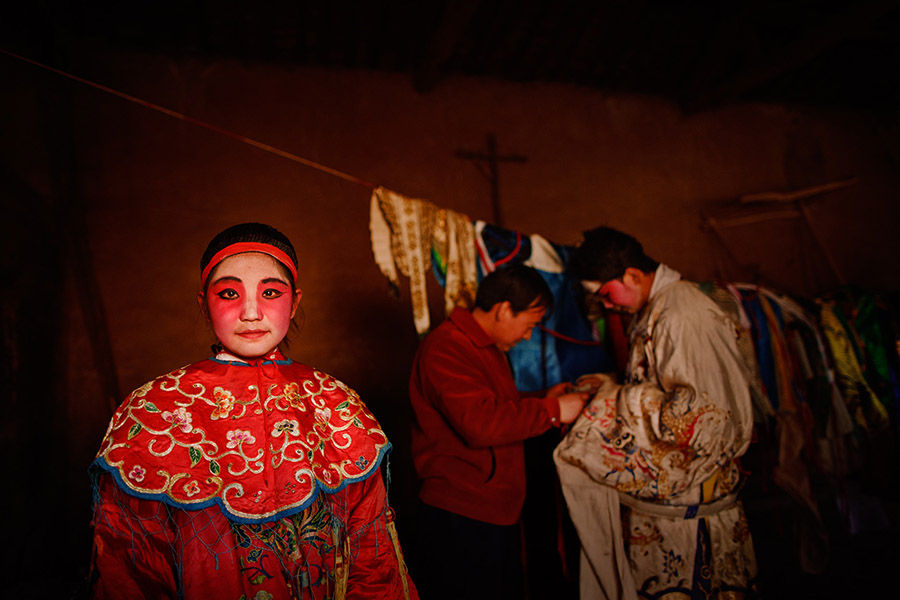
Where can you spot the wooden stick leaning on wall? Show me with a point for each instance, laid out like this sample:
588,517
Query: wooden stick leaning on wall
797,195
729,217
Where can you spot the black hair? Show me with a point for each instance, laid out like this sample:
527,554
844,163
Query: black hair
250,232
605,253
521,286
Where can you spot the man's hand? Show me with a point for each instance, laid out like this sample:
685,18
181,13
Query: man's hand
570,406
593,382
558,390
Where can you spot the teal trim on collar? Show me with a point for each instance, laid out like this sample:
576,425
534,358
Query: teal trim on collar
100,465
274,358
238,363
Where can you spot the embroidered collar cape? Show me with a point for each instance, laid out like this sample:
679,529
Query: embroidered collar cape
259,439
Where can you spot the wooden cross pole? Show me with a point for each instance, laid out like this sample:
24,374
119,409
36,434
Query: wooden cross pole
492,159
787,205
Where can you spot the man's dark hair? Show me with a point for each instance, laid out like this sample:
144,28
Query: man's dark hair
521,286
605,253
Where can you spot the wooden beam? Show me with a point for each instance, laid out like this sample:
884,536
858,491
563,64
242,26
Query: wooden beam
751,218
797,208
797,194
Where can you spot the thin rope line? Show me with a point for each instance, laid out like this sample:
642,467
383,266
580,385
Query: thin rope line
571,340
199,123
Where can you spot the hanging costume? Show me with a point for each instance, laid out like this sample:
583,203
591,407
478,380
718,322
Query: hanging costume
410,236
256,481
863,403
407,234
649,469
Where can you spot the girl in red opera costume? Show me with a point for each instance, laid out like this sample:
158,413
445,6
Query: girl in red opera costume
246,476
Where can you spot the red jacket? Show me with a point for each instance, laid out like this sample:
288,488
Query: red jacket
470,422
231,480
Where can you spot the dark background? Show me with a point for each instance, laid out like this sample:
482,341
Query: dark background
647,116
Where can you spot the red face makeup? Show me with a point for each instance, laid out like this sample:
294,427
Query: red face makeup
250,304
620,294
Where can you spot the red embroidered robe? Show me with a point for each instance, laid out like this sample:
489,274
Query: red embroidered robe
258,481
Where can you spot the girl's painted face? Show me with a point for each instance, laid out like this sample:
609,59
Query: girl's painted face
250,303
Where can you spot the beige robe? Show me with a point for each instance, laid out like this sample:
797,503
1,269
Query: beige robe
406,233
651,461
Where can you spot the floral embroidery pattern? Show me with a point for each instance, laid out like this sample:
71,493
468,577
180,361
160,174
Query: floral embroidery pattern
671,563
602,411
224,403
323,414
303,541
137,473
288,425
192,437
142,391
292,393
181,419
237,436
192,488
644,534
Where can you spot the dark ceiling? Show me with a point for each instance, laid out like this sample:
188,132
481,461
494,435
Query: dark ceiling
701,54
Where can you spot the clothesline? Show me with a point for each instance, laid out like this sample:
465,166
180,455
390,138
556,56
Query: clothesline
236,136
198,122
569,339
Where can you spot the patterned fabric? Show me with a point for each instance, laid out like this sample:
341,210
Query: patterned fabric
728,300
497,246
260,481
872,322
406,232
811,422
544,359
260,441
669,436
863,403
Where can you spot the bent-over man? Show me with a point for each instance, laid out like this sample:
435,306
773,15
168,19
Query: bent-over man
649,470
470,422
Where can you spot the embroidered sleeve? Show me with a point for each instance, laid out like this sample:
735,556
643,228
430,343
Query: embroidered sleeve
377,568
132,555
658,437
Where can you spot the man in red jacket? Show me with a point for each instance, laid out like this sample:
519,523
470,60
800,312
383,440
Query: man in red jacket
470,422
